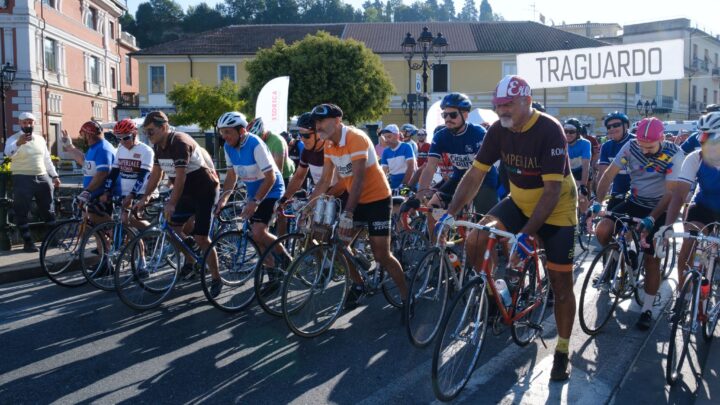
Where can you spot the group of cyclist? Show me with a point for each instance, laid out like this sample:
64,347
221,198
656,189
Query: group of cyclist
552,170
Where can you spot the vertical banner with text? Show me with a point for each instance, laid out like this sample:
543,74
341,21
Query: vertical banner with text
272,104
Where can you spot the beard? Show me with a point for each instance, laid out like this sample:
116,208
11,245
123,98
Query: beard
506,122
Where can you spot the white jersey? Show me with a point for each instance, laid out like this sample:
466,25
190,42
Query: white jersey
130,162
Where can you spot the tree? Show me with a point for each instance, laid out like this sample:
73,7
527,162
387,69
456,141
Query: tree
279,12
244,11
330,11
469,12
202,18
416,12
200,104
158,21
486,13
323,68
447,11
128,24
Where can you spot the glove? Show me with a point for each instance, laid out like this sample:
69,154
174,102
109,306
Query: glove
524,246
445,220
647,223
659,240
84,197
583,190
404,190
596,207
346,221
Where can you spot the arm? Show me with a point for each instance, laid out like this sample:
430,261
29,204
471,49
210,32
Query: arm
545,206
265,186
428,173
466,189
279,159
662,206
178,186
327,175
605,182
296,181
358,169
585,171
98,181
153,181
50,167
409,171
76,154
228,185
679,195
13,144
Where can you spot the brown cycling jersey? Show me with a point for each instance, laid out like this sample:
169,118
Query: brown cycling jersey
182,151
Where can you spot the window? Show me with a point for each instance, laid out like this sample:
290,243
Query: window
128,71
111,29
94,70
50,3
50,55
91,18
113,78
695,49
676,90
157,79
509,68
637,88
705,95
440,78
577,89
226,72
694,93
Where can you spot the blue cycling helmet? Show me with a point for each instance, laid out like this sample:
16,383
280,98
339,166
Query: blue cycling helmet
456,100
410,128
617,115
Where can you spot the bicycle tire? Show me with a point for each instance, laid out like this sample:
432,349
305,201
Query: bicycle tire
314,275
269,280
682,319
532,287
60,252
467,313
709,326
668,262
146,290
429,283
584,237
411,246
603,269
102,274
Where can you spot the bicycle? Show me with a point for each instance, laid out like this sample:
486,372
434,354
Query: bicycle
463,327
60,249
697,302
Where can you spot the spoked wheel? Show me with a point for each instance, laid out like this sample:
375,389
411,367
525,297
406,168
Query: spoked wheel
232,288
681,331
532,290
584,235
462,334
409,250
713,300
147,270
599,295
273,267
668,262
314,290
60,254
99,251
428,295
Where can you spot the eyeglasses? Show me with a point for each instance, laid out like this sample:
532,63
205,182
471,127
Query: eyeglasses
306,136
452,115
126,138
570,131
615,125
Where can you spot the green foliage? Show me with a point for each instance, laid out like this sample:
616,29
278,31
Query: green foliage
486,12
469,11
158,21
202,18
323,68
200,104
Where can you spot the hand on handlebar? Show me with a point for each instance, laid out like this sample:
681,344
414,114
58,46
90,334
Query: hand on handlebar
524,248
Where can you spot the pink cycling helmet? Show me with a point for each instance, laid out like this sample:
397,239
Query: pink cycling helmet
650,130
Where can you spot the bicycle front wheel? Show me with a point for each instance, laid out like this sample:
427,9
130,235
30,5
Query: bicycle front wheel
314,290
668,262
99,251
683,317
428,294
60,254
532,294
599,295
237,258
269,274
462,334
712,301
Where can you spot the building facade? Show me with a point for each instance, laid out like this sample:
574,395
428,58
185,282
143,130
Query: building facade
73,62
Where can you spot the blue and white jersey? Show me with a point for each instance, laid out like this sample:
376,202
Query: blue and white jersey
691,143
608,151
99,158
577,151
251,160
461,150
693,171
396,160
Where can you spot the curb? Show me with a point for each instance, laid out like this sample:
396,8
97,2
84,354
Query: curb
21,272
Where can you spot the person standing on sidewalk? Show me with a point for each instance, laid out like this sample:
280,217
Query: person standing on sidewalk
33,176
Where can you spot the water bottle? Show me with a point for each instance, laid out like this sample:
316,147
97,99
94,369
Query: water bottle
455,262
704,288
330,210
697,258
319,210
504,292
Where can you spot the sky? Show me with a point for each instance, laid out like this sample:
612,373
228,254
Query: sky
702,13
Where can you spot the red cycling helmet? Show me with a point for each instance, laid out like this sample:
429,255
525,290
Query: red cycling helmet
92,127
126,126
650,130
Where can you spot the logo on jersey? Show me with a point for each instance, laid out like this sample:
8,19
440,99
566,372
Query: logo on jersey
557,151
345,170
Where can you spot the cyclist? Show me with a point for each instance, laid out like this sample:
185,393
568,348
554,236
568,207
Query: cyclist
423,150
617,125
701,167
692,142
397,159
194,191
461,140
96,163
580,153
541,203
408,131
654,167
351,154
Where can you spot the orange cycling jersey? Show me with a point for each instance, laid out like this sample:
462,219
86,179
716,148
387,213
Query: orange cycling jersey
354,145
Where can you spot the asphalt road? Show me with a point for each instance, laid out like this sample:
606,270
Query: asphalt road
61,345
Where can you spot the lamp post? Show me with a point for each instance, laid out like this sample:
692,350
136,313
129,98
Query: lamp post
425,44
647,108
6,79
409,106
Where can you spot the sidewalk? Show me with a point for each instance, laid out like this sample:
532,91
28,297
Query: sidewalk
709,391
17,265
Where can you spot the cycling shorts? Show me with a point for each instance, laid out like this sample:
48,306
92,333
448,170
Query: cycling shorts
198,204
702,213
97,207
376,215
638,211
264,211
559,241
615,200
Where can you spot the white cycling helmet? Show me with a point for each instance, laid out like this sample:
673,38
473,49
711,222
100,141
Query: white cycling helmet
232,119
709,122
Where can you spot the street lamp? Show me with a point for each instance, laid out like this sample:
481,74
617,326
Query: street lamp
647,108
427,43
409,106
6,79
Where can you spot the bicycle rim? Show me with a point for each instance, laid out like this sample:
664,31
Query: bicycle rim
60,254
461,339
668,262
428,294
708,328
269,276
100,250
598,297
531,291
681,330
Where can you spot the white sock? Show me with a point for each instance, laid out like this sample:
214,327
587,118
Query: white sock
649,301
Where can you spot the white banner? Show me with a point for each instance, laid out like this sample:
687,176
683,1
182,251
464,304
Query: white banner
480,115
650,61
433,120
272,103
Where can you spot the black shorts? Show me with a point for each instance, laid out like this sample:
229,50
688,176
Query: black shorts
638,211
100,208
614,200
702,213
199,204
376,215
447,190
264,211
559,241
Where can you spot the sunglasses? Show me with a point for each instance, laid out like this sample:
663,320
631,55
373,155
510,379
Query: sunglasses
306,136
126,138
616,125
452,115
570,131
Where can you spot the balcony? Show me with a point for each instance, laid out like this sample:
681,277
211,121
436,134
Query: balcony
128,39
716,73
700,64
664,104
697,106
127,99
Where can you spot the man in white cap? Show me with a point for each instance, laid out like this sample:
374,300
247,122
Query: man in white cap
33,175
398,159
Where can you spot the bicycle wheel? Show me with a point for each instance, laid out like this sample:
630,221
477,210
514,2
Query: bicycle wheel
314,290
681,331
410,248
428,295
532,289
60,254
237,257
584,236
598,296
269,279
147,269
668,262
462,334
708,327
99,251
